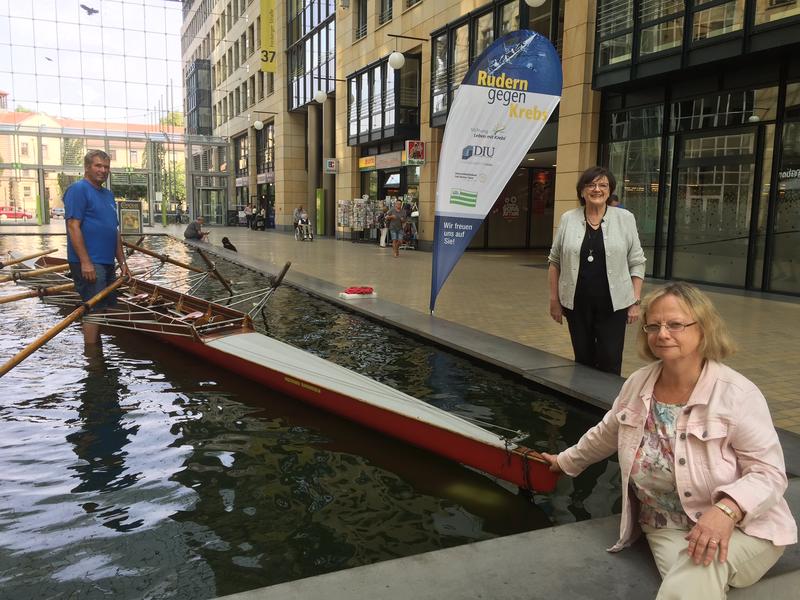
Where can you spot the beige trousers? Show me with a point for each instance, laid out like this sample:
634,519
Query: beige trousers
748,559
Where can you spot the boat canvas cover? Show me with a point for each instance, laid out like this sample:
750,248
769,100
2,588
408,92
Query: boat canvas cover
304,366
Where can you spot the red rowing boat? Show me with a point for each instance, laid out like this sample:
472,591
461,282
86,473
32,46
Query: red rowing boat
227,337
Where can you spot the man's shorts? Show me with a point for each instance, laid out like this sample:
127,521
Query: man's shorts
396,234
106,275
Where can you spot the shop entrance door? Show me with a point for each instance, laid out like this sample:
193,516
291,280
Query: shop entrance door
712,208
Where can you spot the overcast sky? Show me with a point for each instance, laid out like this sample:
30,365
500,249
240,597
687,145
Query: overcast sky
114,64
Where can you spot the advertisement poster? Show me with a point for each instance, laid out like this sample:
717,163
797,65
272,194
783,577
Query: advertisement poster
130,217
269,49
499,109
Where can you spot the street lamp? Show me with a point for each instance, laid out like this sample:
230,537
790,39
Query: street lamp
321,95
397,59
535,3
258,125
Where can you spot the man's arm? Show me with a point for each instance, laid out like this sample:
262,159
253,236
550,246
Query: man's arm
76,239
123,265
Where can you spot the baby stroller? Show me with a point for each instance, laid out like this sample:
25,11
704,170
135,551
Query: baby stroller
303,233
409,236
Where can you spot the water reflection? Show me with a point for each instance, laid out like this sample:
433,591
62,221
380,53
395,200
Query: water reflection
101,438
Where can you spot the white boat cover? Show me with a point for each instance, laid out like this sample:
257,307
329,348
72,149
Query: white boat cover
307,367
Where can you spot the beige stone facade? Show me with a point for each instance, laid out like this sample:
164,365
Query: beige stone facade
298,168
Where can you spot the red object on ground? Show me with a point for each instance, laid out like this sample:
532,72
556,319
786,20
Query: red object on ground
359,290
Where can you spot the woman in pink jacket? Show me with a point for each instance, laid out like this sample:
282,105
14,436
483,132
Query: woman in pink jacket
702,469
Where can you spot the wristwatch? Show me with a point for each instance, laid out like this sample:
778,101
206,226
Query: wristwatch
637,302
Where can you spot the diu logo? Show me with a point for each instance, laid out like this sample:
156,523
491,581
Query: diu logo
470,151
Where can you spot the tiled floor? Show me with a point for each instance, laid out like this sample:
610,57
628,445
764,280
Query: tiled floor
502,293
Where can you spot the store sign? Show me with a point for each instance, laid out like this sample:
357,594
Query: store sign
390,160
269,49
330,166
241,181
414,152
498,111
366,163
268,177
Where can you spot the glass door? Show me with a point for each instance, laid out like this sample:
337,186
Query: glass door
712,209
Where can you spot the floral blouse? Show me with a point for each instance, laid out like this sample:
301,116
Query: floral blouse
653,474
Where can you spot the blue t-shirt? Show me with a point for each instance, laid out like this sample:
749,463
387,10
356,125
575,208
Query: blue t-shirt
97,212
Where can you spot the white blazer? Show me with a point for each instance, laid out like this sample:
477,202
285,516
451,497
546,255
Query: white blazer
624,256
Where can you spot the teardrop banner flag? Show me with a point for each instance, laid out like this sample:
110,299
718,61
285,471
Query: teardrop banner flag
498,111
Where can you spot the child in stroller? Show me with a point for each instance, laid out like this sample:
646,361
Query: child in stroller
303,231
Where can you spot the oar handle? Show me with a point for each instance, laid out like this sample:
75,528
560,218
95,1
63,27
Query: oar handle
16,261
30,274
54,331
39,292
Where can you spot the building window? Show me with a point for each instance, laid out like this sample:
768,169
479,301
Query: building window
385,12
361,19
615,31
509,18
134,156
384,103
768,11
410,3
717,20
482,33
661,26
241,150
311,64
439,102
23,148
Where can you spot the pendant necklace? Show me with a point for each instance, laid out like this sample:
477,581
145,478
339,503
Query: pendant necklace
590,258
591,232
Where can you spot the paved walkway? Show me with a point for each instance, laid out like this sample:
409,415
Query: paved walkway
504,293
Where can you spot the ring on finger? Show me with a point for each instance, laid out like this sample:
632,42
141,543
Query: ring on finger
713,541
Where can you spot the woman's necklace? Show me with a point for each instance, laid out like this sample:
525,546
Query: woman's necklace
591,232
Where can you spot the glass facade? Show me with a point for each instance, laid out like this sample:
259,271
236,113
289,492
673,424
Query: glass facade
628,38
311,54
714,182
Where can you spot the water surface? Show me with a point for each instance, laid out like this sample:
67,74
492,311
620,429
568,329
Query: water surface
140,472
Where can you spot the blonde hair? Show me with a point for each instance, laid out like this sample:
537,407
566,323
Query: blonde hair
716,342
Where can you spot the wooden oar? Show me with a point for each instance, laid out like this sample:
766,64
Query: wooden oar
163,257
54,331
40,292
16,261
33,273
132,250
213,269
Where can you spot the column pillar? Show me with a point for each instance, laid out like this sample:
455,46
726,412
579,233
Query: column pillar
314,160
252,162
579,112
329,151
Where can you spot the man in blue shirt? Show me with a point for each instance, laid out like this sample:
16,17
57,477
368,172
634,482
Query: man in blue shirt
93,239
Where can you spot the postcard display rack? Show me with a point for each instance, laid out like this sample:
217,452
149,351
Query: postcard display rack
356,220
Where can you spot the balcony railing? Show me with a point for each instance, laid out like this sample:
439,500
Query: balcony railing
361,31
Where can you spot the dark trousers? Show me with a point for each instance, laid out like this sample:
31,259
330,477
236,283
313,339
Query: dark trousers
597,332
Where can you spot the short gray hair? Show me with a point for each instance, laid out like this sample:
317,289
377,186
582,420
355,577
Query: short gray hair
92,154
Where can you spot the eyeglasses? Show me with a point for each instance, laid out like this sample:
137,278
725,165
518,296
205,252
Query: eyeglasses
672,327
599,186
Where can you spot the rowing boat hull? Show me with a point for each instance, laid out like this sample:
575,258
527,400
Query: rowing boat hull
338,390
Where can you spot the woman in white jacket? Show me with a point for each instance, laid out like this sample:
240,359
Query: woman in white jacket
596,273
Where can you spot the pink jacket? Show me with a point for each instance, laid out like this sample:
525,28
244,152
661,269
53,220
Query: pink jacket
725,444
